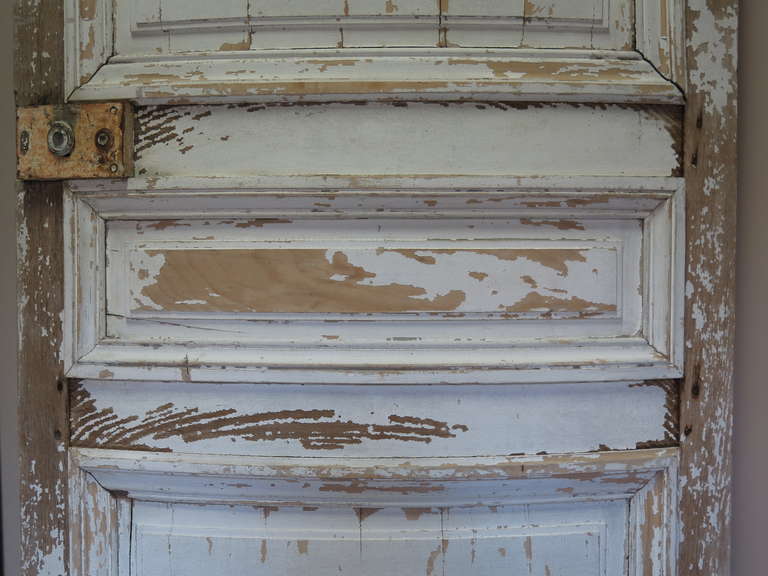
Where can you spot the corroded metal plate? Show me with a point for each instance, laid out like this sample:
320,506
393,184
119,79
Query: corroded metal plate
99,145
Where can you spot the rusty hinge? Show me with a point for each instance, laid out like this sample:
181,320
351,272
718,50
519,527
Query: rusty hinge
74,141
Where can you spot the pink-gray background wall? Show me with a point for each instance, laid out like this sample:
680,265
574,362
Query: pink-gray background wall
750,536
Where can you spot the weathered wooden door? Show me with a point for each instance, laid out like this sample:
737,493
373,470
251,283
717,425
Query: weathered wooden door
394,288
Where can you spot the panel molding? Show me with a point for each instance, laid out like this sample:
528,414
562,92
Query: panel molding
91,353
103,483
239,65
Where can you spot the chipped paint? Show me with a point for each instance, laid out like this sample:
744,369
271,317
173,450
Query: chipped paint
313,429
707,392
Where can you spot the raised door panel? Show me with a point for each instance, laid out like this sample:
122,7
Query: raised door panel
586,24
294,420
592,515
277,50
538,539
366,287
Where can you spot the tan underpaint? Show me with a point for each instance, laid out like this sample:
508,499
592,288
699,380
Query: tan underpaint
413,514
279,281
302,546
538,301
323,65
304,281
244,44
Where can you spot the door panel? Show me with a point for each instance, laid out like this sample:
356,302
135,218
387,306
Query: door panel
419,140
396,288
378,285
574,539
374,420
594,515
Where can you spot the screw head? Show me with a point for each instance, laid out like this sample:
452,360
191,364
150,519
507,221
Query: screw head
61,138
113,168
104,139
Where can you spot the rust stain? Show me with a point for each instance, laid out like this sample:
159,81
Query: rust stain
264,550
92,426
502,552
303,546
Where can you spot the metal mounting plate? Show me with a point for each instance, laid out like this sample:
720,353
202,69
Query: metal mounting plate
74,141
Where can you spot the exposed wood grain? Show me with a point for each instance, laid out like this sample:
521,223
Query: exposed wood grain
372,421
39,77
711,180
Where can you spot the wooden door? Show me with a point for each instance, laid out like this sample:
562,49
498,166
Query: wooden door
395,288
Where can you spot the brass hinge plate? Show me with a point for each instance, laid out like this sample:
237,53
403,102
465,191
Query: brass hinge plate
74,141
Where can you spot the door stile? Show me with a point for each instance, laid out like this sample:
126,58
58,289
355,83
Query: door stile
711,184
42,391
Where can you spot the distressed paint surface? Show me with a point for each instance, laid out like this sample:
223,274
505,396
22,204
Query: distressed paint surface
374,421
39,76
536,297
556,50
433,514
382,281
545,539
711,179
382,140
586,24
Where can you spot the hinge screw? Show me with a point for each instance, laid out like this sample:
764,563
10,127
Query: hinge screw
104,139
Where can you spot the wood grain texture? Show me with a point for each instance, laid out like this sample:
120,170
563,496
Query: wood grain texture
711,182
39,72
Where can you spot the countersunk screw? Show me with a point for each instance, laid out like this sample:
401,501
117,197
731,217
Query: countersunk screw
61,138
104,139
24,141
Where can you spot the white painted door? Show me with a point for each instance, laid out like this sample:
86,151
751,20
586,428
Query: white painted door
396,289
